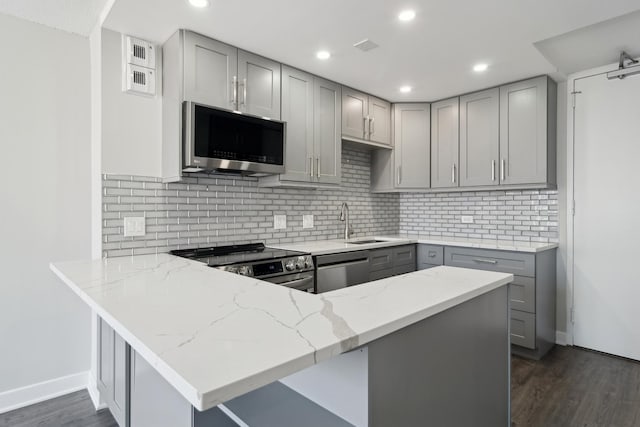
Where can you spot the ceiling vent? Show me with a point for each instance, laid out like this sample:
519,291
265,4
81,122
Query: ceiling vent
139,66
365,45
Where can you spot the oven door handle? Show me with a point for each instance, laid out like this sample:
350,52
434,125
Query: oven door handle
301,284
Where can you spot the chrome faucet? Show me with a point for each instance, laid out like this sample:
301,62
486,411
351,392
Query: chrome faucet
344,216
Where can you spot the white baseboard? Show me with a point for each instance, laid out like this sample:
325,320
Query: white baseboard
94,394
561,338
25,396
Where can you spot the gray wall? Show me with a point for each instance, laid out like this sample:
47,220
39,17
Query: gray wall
46,212
224,209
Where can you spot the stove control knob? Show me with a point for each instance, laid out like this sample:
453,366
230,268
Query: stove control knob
307,262
231,269
245,270
290,265
300,263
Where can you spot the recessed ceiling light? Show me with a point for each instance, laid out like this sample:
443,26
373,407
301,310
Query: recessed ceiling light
405,89
478,68
199,3
323,54
407,15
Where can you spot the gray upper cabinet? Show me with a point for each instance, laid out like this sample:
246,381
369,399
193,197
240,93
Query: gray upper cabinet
444,143
354,112
220,75
327,127
297,112
527,132
411,142
479,138
311,108
210,71
365,118
379,121
258,85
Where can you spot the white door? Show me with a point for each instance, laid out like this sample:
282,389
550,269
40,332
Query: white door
607,216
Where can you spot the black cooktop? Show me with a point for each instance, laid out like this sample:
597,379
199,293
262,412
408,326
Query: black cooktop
235,254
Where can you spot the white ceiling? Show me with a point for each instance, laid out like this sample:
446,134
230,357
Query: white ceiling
74,16
434,53
595,45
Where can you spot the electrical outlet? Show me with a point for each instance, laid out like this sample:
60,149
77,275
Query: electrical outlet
279,222
466,219
307,221
134,226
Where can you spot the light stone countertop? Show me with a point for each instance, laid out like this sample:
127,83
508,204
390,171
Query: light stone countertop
324,247
215,335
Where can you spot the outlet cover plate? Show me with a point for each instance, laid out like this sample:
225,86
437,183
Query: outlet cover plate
307,221
466,219
279,222
134,226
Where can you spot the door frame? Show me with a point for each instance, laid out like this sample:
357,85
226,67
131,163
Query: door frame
571,81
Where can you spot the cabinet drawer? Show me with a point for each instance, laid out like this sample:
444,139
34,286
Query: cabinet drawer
523,329
380,259
424,265
482,259
404,255
402,269
522,293
380,274
430,254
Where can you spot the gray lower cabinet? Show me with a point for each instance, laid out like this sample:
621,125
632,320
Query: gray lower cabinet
311,107
444,143
113,372
429,256
479,138
532,294
387,262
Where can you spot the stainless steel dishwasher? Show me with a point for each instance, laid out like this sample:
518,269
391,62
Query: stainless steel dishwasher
337,271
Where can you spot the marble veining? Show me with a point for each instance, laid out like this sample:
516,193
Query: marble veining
214,335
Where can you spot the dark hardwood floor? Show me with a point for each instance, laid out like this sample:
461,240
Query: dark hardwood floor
570,387
71,410
575,387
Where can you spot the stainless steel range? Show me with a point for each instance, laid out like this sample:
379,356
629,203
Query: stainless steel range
287,268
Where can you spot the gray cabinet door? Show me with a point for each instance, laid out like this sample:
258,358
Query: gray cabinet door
354,113
523,132
297,112
479,138
113,372
327,129
379,125
210,71
411,145
444,143
258,85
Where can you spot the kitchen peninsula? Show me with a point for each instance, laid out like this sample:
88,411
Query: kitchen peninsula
433,343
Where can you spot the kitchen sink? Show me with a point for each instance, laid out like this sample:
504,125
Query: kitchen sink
363,242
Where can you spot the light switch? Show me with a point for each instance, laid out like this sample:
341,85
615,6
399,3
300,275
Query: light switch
466,219
134,226
279,222
307,221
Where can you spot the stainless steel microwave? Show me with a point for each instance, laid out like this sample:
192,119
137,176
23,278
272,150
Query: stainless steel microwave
216,139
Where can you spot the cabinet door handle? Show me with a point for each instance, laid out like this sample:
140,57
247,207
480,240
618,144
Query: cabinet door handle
485,261
311,167
453,173
234,89
493,170
364,127
399,174
318,167
432,254
372,128
502,172
244,91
